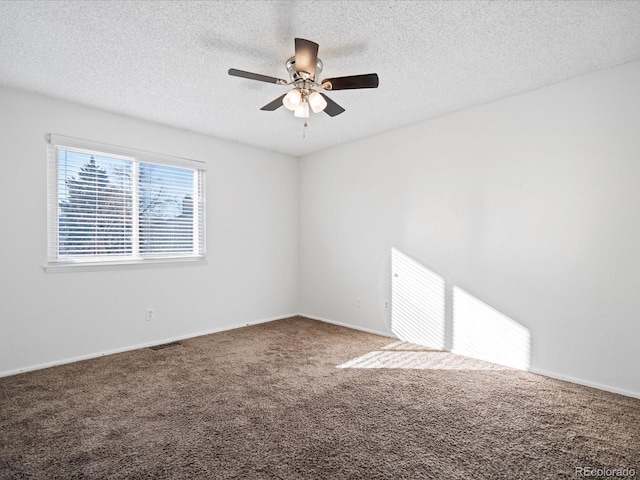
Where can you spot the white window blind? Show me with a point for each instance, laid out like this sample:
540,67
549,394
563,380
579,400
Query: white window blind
110,204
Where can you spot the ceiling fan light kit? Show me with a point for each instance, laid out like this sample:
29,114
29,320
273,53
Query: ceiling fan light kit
317,102
302,110
292,99
304,67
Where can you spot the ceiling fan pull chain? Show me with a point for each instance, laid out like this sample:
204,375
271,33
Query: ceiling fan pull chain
304,131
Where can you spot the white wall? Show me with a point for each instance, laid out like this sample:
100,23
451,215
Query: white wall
531,204
252,268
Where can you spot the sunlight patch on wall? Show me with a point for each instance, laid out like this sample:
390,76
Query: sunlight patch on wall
417,302
482,332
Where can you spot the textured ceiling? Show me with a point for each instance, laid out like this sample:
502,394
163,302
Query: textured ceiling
168,61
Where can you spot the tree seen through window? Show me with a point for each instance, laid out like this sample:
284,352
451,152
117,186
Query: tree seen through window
109,207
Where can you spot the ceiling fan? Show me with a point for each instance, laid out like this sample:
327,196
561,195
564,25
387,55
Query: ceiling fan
304,68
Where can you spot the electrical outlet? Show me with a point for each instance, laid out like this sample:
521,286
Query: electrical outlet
359,302
151,314
386,304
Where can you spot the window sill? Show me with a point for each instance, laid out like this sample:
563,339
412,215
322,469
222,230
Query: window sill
65,267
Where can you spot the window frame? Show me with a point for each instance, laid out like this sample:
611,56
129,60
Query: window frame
136,157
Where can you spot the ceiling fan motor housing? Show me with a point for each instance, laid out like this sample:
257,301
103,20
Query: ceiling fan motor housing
297,77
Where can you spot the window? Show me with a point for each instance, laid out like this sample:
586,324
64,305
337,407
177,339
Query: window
110,205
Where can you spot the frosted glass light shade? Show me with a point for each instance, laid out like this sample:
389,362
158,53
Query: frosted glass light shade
292,99
302,110
317,102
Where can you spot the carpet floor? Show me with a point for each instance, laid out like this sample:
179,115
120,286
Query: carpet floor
301,399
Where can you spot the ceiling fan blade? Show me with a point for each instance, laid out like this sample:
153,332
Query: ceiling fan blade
256,76
277,103
368,80
306,57
332,109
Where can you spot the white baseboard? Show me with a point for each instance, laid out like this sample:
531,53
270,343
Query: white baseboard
557,376
586,383
348,325
55,363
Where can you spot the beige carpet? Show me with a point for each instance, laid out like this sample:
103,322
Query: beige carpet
299,399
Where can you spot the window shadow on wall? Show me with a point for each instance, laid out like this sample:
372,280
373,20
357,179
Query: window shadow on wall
481,331
417,302
430,316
